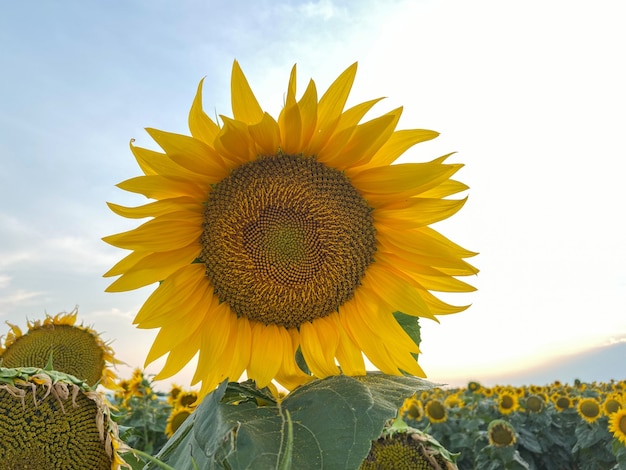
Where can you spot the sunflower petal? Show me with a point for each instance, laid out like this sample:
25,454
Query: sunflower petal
201,126
246,108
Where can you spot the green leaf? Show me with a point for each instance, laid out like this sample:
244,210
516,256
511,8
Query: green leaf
411,326
325,424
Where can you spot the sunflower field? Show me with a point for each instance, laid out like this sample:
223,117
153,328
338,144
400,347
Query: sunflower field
294,251
558,426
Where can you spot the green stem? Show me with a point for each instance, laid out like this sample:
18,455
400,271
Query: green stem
152,459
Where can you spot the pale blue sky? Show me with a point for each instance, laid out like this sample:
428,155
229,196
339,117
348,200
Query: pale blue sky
530,94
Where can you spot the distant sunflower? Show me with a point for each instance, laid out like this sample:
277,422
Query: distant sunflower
272,236
535,403
413,409
51,420
436,411
507,402
617,425
612,403
501,433
562,402
74,349
177,416
589,409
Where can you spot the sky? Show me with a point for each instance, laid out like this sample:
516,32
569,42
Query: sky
530,95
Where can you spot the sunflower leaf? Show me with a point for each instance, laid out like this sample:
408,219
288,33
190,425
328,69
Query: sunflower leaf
327,423
411,326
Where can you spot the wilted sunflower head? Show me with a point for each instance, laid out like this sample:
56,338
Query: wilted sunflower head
617,425
74,349
535,403
408,448
589,409
270,236
501,433
49,419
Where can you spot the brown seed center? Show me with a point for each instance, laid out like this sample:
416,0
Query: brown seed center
286,240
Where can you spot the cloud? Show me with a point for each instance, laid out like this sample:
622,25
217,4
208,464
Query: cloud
20,296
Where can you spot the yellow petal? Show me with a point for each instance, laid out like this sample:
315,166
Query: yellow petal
162,305
192,154
214,347
180,356
126,263
400,294
156,163
266,135
266,355
171,231
234,142
246,108
202,127
308,113
155,267
319,342
422,212
349,355
163,187
157,208
333,101
363,143
411,178
399,142
169,337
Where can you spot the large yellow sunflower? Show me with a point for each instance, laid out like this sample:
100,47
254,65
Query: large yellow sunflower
273,235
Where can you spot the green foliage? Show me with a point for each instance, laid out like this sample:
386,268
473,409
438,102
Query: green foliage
327,423
141,415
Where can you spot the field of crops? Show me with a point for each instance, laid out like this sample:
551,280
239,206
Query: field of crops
576,426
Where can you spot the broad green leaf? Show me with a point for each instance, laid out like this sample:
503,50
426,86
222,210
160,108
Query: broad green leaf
326,424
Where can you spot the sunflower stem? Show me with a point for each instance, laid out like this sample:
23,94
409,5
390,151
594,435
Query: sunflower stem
152,459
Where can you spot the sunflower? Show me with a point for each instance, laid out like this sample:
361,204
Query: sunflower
501,433
535,403
401,448
562,402
436,411
49,419
272,237
474,386
589,409
612,403
507,402
177,416
617,425
74,349
413,409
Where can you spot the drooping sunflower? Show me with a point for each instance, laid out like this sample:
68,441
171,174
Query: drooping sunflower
617,425
501,433
272,237
535,403
407,448
74,349
49,419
